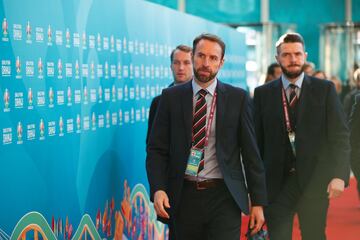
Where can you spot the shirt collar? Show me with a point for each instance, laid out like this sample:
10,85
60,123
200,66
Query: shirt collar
298,82
211,88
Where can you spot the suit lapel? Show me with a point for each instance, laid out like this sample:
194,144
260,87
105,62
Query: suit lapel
220,107
304,99
276,97
187,108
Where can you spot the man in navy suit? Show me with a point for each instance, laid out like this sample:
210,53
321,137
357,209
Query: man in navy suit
355,139
202,133
304,142
181,68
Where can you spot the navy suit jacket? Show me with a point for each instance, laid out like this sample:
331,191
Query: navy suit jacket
355,131
170,142
152,113
322,136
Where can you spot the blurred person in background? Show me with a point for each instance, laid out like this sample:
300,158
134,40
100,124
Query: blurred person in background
309,68
349,99
273,72
338,84
319,74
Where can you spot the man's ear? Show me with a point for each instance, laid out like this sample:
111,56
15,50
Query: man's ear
222,62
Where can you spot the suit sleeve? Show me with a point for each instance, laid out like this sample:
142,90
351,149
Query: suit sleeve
152,112
355,138
254,169
338,136
258,122
158,148
347,105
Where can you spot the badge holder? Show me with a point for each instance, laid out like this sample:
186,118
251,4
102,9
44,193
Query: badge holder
291,135
193,162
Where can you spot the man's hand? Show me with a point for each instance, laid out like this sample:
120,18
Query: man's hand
335,188
161,200
256,219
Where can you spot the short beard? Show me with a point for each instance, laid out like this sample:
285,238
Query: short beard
204,79
292,75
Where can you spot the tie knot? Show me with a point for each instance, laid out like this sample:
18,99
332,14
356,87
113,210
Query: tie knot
202,92
292,86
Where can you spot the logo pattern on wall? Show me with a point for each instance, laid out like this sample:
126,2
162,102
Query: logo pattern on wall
61,75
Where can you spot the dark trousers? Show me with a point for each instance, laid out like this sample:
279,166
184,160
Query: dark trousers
355,167
311,210
210,214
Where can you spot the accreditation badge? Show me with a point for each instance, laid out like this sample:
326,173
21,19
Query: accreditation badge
292,141
193,162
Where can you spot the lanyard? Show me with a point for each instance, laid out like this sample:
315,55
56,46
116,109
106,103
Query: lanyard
286,112
291,133
210,120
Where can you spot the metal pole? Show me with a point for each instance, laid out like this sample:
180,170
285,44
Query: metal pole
266,37
265,11
182,5
348,11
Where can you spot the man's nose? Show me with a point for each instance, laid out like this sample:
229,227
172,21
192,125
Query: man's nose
292,58
206,61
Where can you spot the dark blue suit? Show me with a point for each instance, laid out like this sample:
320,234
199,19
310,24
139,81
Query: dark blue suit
322,147
152,113
355,139
170,142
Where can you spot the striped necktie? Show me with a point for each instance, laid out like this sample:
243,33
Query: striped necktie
199,124
293,97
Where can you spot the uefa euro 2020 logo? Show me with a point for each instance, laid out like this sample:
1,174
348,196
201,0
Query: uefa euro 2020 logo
19,131
40,67
30,97
49,34
28,31
51,96
6,99
42,128
78,122
5,27
18,65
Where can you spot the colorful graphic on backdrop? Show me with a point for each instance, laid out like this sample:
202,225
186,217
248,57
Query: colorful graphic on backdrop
132,218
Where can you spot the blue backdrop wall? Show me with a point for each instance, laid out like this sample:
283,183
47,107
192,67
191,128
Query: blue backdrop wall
77,79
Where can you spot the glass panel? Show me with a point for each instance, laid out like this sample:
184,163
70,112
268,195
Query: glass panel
340,50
